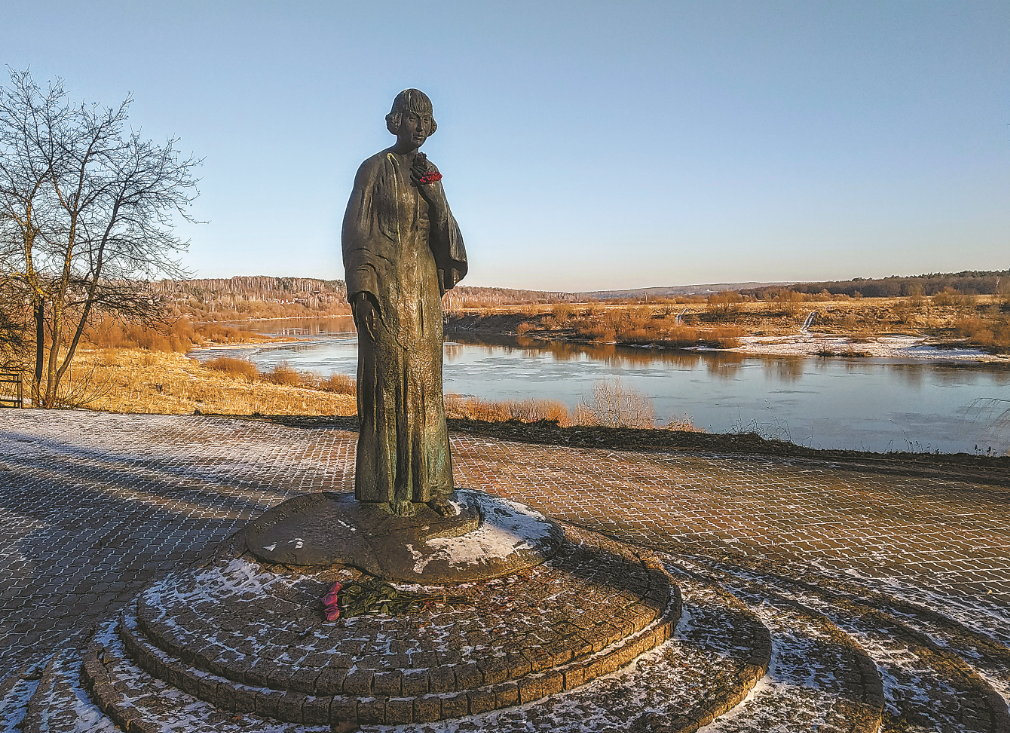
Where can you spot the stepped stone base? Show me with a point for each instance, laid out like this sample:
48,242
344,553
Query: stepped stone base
752,650
248,636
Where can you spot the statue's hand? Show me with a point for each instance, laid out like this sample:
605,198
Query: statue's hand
425,177
364,316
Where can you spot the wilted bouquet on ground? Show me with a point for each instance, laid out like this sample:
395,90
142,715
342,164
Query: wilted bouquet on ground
377,596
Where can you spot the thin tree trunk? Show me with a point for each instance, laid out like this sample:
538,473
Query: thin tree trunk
52,384
40,349
92,290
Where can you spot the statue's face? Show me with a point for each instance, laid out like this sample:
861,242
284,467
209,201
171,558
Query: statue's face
414,129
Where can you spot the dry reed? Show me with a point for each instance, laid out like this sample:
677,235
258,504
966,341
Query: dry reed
235,367
338,384
153,382
284,375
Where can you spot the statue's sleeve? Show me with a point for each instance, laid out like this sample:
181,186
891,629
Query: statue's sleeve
359,229
446,243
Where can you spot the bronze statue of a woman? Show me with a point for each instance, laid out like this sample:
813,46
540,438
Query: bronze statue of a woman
402,250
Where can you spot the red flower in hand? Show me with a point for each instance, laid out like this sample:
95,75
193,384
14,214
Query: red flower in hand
431,177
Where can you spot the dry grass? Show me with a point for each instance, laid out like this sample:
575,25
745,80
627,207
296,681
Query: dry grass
612,405
242,368
724,318
137,380
636,325
284,375
338,384
142,381
178,336
531,410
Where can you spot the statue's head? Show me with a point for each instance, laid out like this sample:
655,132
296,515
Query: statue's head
415,105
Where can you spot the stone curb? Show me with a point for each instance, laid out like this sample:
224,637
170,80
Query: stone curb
12,709
99,685
37,709
998,711
11,681
752,669
867,713
442,679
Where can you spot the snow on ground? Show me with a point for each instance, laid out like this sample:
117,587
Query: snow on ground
887,347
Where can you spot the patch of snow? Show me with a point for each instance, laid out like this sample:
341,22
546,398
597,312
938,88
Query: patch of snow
909,682
507,527
884,347
14,706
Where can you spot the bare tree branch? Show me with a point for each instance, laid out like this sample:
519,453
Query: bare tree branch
86,217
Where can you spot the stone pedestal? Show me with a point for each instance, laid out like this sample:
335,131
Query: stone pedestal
487,537
539,608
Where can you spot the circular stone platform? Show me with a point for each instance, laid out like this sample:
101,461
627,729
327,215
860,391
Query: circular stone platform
249,635
486,538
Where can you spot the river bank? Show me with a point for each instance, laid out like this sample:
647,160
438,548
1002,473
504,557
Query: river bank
876,328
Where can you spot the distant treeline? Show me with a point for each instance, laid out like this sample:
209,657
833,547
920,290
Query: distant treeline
258,286
242,297
261,296
969,282
462,297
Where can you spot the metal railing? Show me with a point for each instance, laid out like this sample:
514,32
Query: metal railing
11,394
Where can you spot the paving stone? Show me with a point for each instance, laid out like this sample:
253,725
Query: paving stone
95,506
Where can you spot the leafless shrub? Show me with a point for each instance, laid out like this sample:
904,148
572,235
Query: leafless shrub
683,424
915,297
338,384
562,312
951,297
728,304
992,335
788,301
905,310
596,332
616,406
81,387
283,374
235,367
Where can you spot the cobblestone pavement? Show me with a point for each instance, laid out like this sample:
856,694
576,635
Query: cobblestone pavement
94,505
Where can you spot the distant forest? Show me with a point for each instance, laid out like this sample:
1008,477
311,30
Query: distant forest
969,282
238,298
243,297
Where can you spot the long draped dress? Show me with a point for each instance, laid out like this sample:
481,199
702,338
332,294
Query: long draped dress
404,262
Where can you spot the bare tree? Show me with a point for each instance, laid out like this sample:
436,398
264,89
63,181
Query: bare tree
86,215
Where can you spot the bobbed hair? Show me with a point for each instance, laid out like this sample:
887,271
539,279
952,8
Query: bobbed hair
409,100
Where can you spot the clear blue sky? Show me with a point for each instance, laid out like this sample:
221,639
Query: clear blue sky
585,145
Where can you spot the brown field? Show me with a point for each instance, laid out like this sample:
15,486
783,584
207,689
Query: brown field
145,381
138,380
719,321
